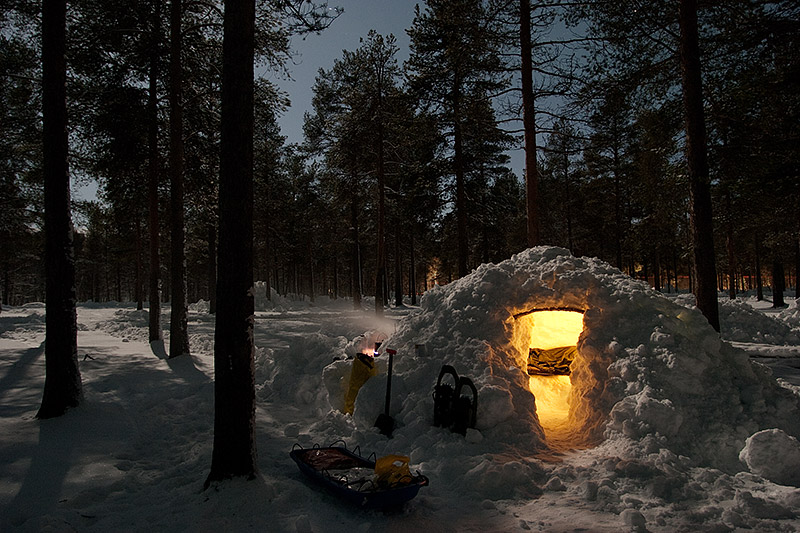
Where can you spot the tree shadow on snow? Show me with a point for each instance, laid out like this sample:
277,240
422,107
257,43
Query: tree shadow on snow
14,376
42,487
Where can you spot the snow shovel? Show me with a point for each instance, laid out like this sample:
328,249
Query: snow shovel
385,423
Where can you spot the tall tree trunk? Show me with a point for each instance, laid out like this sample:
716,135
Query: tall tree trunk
461,196
778,283
398,266
796,268
156,335
617,208
336,278
5,299
62,385
412,272
700,211
759,280
731,250
356,258
529,124
137,290
380,266
311,272
234,452
657,271
178,327
212,269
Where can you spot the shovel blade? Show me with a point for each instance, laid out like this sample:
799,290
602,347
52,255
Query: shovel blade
385,424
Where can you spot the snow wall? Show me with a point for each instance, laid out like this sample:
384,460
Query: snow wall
649,372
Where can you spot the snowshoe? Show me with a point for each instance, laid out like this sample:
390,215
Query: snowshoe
443,398
465,409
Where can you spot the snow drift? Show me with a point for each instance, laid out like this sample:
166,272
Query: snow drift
648,372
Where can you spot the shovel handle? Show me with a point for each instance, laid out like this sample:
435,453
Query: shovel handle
389,378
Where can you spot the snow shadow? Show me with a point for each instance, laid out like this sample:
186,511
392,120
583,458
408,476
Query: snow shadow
41,489
14,378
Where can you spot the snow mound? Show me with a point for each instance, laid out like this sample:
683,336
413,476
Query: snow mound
648,372
291,302
774,455
741,323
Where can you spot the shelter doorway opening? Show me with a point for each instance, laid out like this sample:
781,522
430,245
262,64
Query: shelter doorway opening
552,347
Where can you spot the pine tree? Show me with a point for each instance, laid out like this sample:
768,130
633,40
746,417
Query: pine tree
62,387
234,452
453,60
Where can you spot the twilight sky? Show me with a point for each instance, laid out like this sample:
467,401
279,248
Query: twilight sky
319,51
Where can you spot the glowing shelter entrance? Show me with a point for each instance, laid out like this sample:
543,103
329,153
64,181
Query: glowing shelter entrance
554,337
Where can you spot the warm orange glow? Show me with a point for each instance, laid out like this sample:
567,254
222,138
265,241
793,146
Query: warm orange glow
552,329
552,400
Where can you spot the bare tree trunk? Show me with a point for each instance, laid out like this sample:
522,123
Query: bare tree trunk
778,283
212,269
234,452
62,386
311,272
759,280
412,273
156,334
529,125
178,326
356,258
796,268
461,196
380,266
137,289
729,246
398,269
700,212
617,208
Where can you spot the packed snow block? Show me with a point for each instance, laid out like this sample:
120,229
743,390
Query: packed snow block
646,370
773,454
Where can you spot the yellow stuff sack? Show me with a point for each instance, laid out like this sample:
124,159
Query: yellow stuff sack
363,369
392,470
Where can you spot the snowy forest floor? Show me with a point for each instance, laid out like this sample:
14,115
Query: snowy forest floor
135,455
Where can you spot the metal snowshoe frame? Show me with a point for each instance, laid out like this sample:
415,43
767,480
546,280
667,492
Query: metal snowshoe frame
451,408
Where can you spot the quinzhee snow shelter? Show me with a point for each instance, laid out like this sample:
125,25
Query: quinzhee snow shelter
569,352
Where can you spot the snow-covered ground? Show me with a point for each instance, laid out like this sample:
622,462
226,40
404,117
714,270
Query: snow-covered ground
135,455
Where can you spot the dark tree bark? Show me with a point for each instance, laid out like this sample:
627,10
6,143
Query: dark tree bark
398,272
138,288
412,272
62,386
380,275
234,452
617,207
657,271
178,324
156,335
461,195
311,272
731,251
212,269
796,268
700,211
759,281
529,125
356,259
778,284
